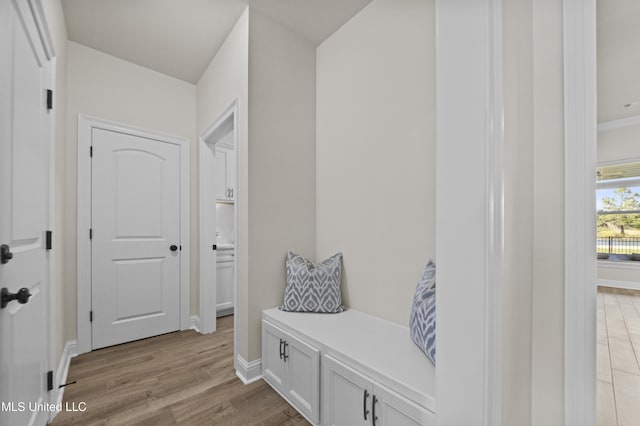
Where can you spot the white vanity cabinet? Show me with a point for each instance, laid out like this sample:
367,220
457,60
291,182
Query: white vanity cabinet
225,172
224,280
292,368
352,398
371,373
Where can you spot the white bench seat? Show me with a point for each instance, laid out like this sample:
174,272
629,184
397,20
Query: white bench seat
381,349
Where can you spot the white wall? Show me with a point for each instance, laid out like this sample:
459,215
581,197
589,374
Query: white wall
58,30
375,179
548,216
106,87
225,79
281,161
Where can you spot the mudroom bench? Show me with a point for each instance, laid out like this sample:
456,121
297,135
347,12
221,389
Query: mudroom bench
349,368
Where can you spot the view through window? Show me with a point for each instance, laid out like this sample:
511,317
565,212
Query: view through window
618,204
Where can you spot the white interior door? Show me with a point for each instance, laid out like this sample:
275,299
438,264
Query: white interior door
23,217
135,267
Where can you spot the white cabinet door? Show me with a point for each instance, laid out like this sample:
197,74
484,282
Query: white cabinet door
231,173
221,183
273,366
347,395
292,367
303,376
224,283
391,409
225,172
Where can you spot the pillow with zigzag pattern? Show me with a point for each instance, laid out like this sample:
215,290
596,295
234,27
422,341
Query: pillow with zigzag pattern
313,288
422,320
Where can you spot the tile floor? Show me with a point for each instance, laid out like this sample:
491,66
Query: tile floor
618,357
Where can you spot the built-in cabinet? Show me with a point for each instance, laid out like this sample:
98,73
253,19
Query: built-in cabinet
225,172
352,398
347,369
292,367
224,280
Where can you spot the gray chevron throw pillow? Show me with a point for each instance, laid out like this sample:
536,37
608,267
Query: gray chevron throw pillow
422,321
313,288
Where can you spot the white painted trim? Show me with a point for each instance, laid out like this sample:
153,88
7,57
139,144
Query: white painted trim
248,372
194,323
43,28
617,162
469,79
579,24
629,265
70,351
85,126
619,124
629,285
208,282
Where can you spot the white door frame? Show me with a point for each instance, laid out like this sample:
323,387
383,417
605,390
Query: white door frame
85,126
208,294
469,66
580,120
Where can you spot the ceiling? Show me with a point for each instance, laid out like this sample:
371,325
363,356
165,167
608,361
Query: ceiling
179,38
618,59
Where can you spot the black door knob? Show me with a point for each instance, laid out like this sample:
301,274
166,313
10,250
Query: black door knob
22,296
173,247
5,254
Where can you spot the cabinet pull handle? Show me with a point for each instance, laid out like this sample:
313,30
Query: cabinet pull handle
373,410
364,404
231,192
285,351
281,351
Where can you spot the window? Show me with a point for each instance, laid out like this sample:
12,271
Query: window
618,205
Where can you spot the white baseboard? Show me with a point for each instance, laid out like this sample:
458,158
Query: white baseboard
70,350
629,285
195,323
249,372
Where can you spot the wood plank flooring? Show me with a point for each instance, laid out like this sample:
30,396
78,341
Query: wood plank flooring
181,378
618,370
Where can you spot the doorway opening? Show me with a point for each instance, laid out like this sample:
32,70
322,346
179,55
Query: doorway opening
218,222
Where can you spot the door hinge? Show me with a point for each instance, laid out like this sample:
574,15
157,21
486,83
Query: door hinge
91,233
91,151
215,247
49,99
48,242
49,380
90,316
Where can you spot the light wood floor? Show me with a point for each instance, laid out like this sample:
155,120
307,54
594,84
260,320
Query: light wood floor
181,378
618,357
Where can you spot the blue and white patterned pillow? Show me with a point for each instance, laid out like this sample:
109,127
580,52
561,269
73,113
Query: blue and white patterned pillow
313,288
422,321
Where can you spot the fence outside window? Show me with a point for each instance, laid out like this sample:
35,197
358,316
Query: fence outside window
617,245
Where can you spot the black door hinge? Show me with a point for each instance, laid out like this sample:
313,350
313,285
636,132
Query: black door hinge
49,380
90,233
48,242
49,99
215,247
90,316
91,151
